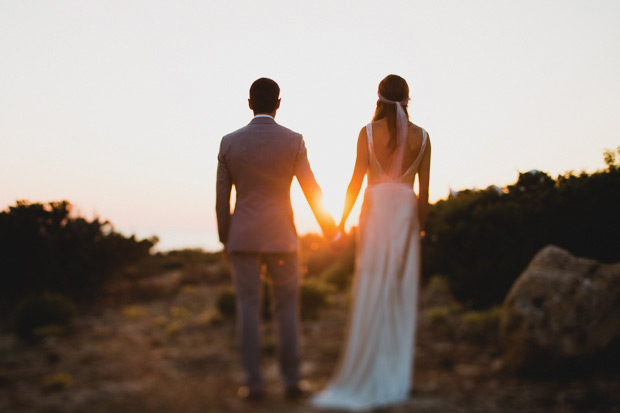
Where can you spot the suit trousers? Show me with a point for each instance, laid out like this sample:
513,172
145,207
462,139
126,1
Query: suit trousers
283,270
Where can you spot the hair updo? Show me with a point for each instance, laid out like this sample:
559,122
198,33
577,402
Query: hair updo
392,87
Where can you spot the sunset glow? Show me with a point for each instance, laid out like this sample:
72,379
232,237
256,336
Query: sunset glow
120,107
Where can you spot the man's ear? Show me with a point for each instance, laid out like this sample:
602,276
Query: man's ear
278,105
250,104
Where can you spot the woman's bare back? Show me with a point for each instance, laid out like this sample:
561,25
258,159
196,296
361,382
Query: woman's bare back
383,151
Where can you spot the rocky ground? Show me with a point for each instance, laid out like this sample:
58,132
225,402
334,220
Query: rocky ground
178,354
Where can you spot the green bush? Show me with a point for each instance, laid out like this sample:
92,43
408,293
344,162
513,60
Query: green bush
338,275
445,319
56,382
318,258
313,297
439,283
43,314
481,240
45,247
315,254
484,324
439,315
227,303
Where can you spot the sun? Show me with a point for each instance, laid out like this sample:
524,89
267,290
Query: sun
333,203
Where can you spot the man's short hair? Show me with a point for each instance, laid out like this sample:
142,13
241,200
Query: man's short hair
264,94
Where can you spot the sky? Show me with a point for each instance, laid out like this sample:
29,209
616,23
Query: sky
120,106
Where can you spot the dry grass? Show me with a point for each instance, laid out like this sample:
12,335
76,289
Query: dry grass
177,353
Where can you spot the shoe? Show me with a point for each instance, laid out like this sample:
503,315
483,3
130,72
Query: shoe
299,391
250,395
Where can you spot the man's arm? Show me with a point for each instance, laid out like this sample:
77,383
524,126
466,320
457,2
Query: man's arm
222,197
313,192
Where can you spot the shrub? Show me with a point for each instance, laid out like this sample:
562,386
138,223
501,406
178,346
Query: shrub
439,283
483,239
211,317
227,303
57,381
479,325
43,314
338,275
46,247
268,345
444,319
313,296
266,306
439,315
135,312
315,253
318,257
175,327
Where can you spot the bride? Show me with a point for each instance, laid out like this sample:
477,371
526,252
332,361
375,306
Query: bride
375,368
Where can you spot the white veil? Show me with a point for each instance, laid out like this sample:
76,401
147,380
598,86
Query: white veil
402,126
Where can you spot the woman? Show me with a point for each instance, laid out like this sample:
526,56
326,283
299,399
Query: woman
375,369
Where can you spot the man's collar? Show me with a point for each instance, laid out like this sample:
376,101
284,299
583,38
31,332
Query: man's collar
263,120
263,115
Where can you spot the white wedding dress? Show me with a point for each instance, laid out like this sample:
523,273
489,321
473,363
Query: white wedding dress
376,366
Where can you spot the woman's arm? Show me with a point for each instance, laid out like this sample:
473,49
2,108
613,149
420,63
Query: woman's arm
361,166
423,179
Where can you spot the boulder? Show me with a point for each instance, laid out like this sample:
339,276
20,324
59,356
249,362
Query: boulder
560,310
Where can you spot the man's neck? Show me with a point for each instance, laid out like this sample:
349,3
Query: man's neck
271,115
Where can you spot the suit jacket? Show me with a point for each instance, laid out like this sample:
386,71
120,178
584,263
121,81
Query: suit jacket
260,160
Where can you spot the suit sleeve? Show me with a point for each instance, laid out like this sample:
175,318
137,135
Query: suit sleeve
222,196
311,190
304,174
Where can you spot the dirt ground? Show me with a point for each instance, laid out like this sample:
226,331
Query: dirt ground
178,354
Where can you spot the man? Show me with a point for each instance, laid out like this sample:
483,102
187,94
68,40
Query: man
260,160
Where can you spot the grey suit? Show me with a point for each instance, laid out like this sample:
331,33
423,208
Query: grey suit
260,160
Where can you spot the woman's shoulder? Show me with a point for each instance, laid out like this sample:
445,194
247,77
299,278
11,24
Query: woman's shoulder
379,122
375,124
362,137
378,127
415,137
364,131
415,128
417,131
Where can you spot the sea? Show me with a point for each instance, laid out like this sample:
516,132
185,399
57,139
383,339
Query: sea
176,239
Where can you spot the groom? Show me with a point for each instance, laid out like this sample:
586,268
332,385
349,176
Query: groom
260,160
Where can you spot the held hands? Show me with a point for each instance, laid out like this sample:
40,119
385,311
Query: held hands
336,235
